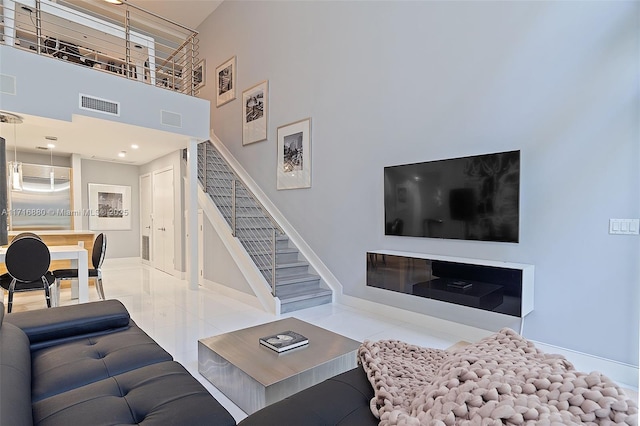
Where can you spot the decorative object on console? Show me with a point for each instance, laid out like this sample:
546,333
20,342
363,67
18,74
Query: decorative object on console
109,207
294,155
226,82
255,113
470,198
284,341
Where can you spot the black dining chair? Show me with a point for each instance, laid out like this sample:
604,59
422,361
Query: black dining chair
27,261
97,257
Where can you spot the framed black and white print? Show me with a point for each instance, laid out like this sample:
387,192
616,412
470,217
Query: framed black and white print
226,82
294,155
254,113
109,207
199,75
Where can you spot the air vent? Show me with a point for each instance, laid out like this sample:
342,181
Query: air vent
112,160
103,106
7,84
146,255
172,119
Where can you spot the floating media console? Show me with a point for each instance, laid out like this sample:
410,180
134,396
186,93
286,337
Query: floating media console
501,287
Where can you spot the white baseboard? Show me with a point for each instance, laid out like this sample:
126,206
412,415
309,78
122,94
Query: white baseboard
624,374
233,293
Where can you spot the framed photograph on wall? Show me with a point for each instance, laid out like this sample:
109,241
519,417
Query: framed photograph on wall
199,75
294,155
226,82
254,113
109,207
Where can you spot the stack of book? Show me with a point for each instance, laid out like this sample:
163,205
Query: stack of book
284,341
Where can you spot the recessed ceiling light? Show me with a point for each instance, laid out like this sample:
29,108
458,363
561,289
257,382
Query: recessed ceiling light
113,1
121,154
134,146
51,146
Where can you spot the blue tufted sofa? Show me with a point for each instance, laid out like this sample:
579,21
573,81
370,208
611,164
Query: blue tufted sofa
90,364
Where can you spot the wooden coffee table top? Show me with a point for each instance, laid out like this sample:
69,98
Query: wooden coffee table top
242,349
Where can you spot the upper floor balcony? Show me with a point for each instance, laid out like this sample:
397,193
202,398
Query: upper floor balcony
121,39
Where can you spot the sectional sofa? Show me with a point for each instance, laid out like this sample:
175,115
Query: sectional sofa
90,364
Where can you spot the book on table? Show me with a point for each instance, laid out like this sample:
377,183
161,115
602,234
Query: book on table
284,341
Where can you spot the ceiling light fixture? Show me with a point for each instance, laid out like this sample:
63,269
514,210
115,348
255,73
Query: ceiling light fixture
16,168
134,146
117,2
122,154
52,176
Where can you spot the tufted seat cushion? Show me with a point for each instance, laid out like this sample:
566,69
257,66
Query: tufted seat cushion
159,394
67,366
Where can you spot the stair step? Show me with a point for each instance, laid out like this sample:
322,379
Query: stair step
305,300
303,278
289,270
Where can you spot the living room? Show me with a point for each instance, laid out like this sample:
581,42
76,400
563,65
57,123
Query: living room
396,83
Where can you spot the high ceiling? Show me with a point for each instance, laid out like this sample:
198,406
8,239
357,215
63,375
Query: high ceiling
190,13
104,140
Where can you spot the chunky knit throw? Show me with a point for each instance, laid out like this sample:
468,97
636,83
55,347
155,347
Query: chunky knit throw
502,379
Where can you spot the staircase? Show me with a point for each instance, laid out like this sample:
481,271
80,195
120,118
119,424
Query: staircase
284,268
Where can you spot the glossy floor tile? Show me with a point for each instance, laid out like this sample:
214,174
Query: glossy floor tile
177,317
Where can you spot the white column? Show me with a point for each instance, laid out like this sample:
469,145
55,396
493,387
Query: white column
192,212
76,190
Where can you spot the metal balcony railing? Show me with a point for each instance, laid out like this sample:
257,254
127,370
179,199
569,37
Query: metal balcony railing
249,221
125,40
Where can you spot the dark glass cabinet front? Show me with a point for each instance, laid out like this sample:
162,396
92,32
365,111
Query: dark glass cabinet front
489,288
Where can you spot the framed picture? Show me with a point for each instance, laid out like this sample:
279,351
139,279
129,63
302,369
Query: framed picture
294,155
226,82
109,207
199,75
254,113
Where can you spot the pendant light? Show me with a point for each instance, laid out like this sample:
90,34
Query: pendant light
52,176
16,167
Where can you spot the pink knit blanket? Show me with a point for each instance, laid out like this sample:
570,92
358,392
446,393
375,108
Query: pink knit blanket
502,379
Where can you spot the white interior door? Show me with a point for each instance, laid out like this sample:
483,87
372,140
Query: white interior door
146,218
163,221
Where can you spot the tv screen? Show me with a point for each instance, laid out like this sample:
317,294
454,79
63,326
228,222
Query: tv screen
468,198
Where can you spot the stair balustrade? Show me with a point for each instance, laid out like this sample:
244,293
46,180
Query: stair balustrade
283,267
256,229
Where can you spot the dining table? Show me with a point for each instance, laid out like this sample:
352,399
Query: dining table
79,260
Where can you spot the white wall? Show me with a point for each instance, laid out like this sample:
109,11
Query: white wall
49,88
397,82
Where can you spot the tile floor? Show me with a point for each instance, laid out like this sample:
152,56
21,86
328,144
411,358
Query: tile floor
177,317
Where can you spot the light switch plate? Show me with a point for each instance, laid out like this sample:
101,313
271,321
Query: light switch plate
624,226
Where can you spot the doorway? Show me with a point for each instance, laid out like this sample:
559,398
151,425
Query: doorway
163,220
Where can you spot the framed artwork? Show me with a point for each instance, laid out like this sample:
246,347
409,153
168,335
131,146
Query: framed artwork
254,113
199,75
294,155
226,82
109,207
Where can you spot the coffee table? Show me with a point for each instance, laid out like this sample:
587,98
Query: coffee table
253,376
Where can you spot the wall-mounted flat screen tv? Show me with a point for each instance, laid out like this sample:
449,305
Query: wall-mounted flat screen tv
468,198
